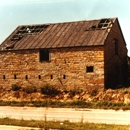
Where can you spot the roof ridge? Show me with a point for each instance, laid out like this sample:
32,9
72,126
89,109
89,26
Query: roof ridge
66,22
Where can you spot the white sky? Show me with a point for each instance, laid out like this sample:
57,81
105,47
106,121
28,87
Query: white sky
21,12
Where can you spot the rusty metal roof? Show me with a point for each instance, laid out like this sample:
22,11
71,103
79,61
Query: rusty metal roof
59,35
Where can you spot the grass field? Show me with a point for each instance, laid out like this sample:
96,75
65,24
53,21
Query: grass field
69,104
66,125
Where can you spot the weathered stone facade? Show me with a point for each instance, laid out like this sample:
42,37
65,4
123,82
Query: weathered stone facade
115,59
83,54
66,68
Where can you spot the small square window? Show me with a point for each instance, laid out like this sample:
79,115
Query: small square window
44,55
39,76
89,69
4,77
26,77
64,76
15,76
51,76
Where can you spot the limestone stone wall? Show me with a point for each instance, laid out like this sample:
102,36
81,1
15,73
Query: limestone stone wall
115,59
66,68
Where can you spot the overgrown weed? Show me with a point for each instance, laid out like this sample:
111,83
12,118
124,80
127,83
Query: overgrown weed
64,125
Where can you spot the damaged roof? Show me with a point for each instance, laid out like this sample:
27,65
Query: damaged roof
59,35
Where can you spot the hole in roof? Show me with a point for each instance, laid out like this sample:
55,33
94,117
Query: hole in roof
28,30
103,23
94,26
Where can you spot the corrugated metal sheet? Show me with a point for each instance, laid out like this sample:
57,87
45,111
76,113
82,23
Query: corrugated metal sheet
59,35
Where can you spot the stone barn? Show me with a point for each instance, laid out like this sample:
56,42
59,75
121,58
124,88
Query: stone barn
79,55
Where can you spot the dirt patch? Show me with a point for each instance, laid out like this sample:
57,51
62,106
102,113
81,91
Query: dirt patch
93,95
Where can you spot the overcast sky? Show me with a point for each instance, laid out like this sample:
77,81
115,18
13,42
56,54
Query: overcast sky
21,12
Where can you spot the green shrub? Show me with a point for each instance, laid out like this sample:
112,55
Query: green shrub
56,125
78,103
30,89
73,92
49,90
16,87
94,92
125,90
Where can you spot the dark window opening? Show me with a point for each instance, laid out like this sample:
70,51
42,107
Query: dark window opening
44,55
116,46
26,76
51,76
15,77
39,76
89,69
4,77
64,76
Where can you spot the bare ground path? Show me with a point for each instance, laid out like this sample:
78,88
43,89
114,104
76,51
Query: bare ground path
71,114
4,127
